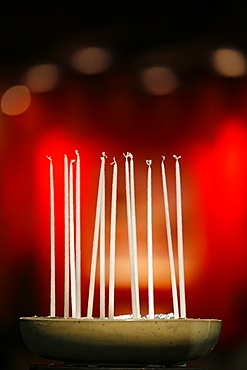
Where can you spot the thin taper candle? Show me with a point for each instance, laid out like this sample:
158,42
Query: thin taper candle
150,242
113,240
134,236
52,230
130,242
169,242
72,241
102,243
66,237
95,248
95,245
180,240
78,236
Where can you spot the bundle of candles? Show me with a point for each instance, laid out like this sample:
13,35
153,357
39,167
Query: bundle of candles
72,240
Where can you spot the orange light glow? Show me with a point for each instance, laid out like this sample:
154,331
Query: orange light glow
229,62
42,78
15,100
159,80
91,60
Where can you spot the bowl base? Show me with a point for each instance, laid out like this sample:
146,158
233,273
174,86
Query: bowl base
115,367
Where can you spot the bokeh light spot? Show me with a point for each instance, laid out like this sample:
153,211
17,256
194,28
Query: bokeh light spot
15,100
159,80
42,77
91,60
229,62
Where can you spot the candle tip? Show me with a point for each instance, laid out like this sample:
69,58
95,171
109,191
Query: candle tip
114,161
127,155
49,158
104,155
149,162
163,157
76,152
177,157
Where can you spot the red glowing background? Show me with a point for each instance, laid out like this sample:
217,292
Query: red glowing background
199,125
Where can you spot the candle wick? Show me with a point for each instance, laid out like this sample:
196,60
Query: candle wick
128,155
103,155
76,152
149,162
114,161
163,158
177,158
49,158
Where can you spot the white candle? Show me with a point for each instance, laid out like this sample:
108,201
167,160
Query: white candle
95,246
113,240
78,236
52,230
66,237
134,238
180,240
72,241
169,242
129,225
150,242
102,243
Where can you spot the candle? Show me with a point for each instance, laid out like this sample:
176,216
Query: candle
78,237
134,239
102,242
129,225
52,230
72,241
95,245
180,240
169,242
150,242
113,240
66,237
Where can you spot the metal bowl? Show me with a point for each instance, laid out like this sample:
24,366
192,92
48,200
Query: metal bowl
116,341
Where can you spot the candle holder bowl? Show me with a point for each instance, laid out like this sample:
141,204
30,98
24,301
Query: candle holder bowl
118,341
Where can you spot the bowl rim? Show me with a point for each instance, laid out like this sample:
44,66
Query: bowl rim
118,320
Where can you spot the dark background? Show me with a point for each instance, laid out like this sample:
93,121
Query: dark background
30,31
